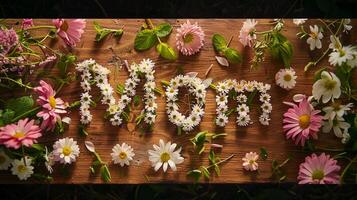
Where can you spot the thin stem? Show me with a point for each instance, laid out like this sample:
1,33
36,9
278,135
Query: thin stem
23,154
40,27
24,114
230,40
328,149
263,32
222,161
346,168
20,84
149,23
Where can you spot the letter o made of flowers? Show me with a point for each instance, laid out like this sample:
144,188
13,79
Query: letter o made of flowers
196,87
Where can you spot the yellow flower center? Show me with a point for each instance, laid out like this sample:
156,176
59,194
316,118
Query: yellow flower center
287,77
19,135
21,168
188,38
52,101
318,175
304,121
330,84
251,162
122,155
342,52
66,151
165,157
2,159
313,35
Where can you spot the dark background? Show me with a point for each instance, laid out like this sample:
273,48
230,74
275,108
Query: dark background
178,9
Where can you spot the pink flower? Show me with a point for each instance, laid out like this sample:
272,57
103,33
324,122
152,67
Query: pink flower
25,133
26,23
319,170
189,38
247,33
302,122
70,30
52,106
8,40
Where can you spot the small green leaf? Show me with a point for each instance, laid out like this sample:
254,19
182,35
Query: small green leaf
196,174
205,172
82,131
20,105
219,43
120,89
105,173
39,147
136,100
92,170
104,32
263,153
145,39
166,51
219,135
163,30
7,116
232,55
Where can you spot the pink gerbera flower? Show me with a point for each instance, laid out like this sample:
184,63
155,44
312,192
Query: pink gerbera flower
247,33
189,38
302,122
52,106
319,170
70,30
25,133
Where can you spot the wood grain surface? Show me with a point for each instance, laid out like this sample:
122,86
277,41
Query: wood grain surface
239,140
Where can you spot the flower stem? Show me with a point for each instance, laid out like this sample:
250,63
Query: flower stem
263,32
346,169
23,154
40,27
25,114
328,149
149,23
222,161
20,84
230,40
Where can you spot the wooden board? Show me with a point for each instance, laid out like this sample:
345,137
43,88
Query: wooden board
239,140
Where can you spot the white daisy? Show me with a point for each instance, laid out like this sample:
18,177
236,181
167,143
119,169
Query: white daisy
171,92
122,154
243,109
221,99
65,150
266,107
165,155
286,78
335,43
346,25
264,119
5,161
336,110
198,110
339,126
221,120
341,55
299,22
222,87
250,161
249,86
22,168
264,97
243,120
242,98
328,87
315,38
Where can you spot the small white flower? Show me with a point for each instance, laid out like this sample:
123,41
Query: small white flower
242,98
149,118
171,92
22,168
266,107
264,97
264,119
50,161
336,110
221,99
249,86
341,55
339,126
122,154
221,120
335,43
222,87
250,161
5,161
286,78
315,38
346,25
328,87
198,110
65,150
85,98
165,155
299,22
243,120
243,109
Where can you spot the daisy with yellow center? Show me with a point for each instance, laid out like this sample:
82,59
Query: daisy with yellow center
165,155
65,150
250,161
22,168
122,154
286,78
327,88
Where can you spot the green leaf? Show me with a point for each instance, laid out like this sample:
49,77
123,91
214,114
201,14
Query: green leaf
196,174
281,48
105,173
145,39
205,172
263,153
82,131
104,32
219,43
232,55
219,135
39,147
212,157
20,105
64,61
136,100
163,30
7,116
166,51
120,89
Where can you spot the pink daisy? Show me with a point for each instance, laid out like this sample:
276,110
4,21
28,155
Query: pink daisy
247,33
25,133
70,30
26,23
52,106
319,170
189,38
302,122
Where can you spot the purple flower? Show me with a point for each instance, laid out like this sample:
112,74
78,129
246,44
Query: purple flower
8,39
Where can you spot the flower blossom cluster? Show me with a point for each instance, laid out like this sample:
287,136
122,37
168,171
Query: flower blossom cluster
195,86
90,68
243,119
